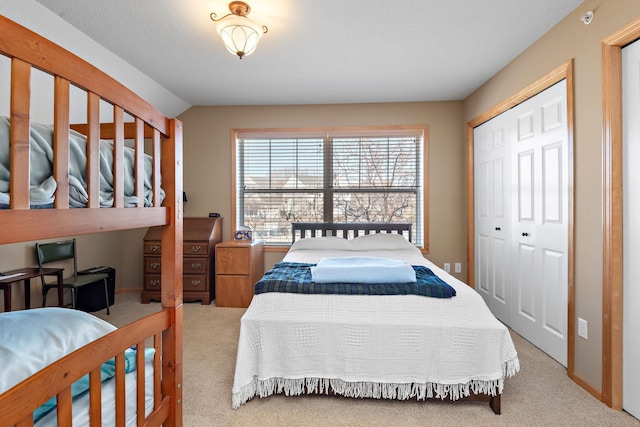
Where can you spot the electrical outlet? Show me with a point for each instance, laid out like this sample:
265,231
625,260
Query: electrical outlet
447,267
458,267
583,328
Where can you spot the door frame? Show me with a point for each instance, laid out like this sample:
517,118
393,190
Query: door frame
612,212
565,71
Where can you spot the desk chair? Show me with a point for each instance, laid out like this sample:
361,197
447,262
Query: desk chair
59,251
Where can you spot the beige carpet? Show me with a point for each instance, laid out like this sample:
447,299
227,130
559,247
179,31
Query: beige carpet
541,394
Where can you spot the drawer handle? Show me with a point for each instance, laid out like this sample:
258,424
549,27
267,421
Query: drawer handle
196,248
196,265
195,282
155,265
155,248
155,282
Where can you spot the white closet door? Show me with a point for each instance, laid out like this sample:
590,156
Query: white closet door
631,228
539,177
492,218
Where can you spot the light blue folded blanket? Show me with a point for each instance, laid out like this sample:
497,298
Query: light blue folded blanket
362,269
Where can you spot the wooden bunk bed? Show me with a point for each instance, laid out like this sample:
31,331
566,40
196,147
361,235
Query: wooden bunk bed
27,51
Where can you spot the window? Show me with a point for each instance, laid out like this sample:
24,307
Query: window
337,175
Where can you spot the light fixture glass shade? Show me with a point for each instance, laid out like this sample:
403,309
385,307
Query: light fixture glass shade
240,35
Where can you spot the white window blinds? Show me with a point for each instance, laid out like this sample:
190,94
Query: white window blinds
337,176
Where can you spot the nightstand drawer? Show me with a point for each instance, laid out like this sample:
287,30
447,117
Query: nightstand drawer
234,291
194,265
235,260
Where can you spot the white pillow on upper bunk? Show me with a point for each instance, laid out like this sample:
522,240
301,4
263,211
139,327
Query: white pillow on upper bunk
33,339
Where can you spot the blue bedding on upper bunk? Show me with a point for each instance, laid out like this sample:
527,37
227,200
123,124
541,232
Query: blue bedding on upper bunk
42,184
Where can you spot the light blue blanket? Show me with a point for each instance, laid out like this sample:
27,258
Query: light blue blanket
42,184
362,269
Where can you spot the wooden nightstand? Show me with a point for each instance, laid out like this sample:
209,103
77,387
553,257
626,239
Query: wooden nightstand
239,265
200,236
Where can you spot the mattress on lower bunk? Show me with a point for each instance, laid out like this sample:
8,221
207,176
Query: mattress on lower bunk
32,339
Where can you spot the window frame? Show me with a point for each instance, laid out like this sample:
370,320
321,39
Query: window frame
343,132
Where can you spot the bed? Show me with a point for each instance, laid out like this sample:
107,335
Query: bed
137,196
371,344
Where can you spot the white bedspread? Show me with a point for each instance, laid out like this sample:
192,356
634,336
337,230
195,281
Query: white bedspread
398,347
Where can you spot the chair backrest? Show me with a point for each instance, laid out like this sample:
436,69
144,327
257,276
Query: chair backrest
57,251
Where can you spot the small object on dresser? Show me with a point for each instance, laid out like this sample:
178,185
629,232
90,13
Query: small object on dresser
214,215
243,235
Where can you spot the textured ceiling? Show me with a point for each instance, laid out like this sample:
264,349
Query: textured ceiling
319,51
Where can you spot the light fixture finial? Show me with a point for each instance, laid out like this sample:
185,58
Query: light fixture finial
239,33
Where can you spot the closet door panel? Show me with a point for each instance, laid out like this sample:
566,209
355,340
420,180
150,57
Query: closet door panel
482,225
552,195
483,263
525,282
540,156
500,296
554,313
552,277
499,279
492,215
525,187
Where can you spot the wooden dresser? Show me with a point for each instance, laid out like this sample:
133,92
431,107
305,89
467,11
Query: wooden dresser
239,265
200,235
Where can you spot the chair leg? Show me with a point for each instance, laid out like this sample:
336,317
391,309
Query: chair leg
73,297
44,296
106,295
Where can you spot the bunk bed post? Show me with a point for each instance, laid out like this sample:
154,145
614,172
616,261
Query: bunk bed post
171,281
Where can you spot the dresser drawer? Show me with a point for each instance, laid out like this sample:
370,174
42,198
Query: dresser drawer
152,265
188,249
152,282
194,283
152,248
194,265
195,248
189,282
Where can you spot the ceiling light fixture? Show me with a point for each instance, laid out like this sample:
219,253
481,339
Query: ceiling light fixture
239,33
